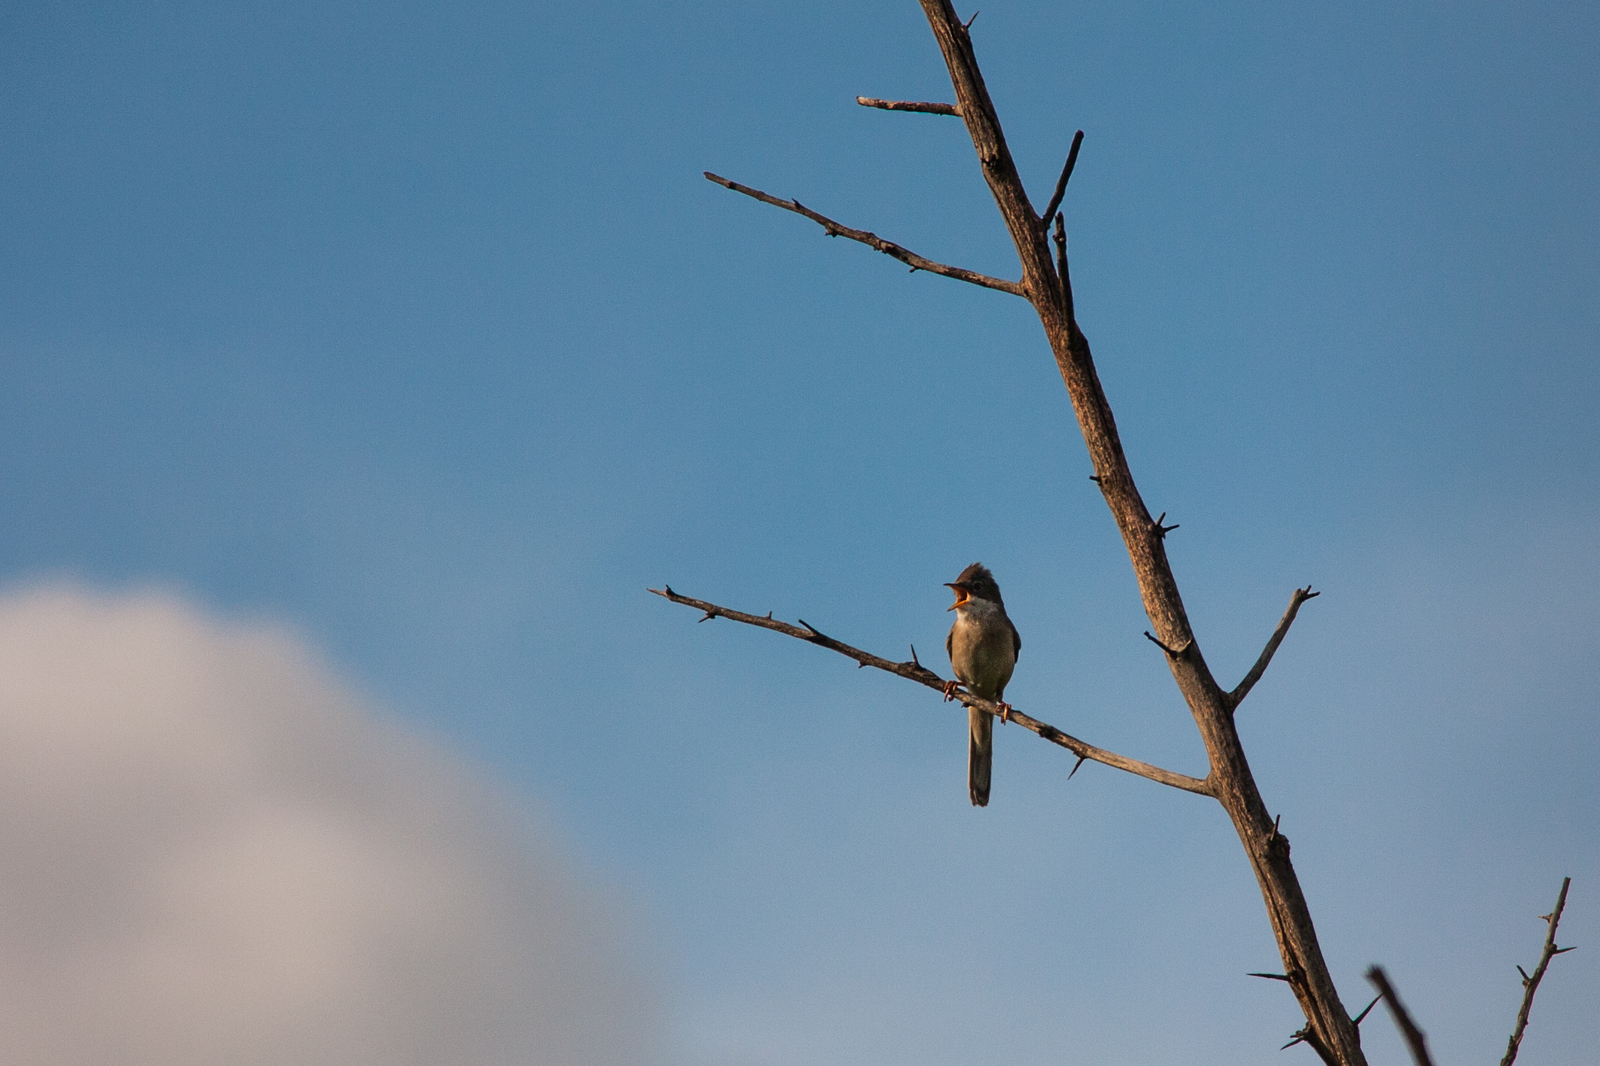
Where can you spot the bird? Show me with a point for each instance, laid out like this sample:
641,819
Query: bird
983,647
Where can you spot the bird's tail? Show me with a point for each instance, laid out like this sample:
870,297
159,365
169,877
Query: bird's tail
980,755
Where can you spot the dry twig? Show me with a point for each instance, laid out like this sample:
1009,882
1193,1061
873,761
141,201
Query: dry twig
872,240
1531,984
1300,596
1415,1039
910,105
1066,176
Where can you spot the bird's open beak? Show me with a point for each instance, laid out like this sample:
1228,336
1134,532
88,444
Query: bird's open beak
962,595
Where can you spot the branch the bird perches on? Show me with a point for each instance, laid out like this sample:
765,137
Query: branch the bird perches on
915,671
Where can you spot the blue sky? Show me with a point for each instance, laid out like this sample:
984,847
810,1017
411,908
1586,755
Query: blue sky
416,329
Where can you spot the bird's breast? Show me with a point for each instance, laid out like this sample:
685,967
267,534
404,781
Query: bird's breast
982,652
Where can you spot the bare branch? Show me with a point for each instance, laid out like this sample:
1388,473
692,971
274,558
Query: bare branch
910,105
1415,1039
872,240
1066,175
914,671
1531,984
1300,596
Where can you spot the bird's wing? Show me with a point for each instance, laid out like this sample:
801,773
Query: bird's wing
949,644
1016,639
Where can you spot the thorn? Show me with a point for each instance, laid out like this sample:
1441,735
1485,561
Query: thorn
1270,976
967,25
1275,823
769,616
1077,764
1524,973
1563,951
1095,478
670,593
709,616
809,626
859,665
914,661
1357,1019
1173,652
1292,1043
1163,518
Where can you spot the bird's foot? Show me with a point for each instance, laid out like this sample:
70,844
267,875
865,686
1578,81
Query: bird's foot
950,690
1005,713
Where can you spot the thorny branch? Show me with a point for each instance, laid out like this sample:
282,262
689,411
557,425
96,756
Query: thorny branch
872,240
1300,596
915,671
1415,1039
1531,984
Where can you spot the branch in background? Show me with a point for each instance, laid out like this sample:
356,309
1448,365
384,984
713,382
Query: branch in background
1531,984
1408,1028
1066,175
909,105
1300,596
872,240
915,671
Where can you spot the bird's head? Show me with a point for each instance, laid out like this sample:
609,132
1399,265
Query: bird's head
974,583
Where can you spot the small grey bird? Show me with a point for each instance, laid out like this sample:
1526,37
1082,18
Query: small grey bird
983,647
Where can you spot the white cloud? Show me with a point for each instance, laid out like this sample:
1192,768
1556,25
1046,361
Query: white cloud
211,852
